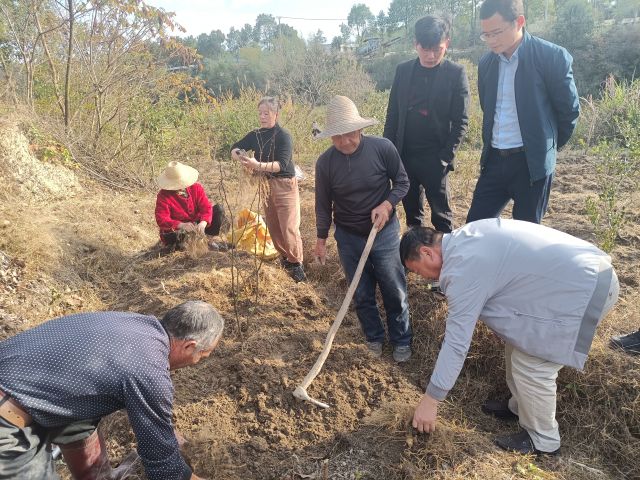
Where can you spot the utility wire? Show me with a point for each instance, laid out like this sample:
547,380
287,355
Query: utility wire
314,19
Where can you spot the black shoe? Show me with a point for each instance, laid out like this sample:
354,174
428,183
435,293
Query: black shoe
628,343
436,291
219,246
499,409
297,272
521,443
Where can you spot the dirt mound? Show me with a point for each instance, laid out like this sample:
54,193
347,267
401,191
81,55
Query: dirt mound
33,178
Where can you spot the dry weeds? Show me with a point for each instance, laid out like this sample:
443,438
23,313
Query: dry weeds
96,251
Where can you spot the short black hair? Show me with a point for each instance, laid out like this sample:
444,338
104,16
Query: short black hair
431,30
508,9
416,237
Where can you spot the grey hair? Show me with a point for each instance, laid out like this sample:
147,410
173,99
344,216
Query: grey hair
194,320
271,102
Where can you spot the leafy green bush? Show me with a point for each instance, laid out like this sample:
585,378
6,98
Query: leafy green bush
613,118
610,131
617,177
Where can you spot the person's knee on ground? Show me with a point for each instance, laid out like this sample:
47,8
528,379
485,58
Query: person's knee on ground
218,221
87,459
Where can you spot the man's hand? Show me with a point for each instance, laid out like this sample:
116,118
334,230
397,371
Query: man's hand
424,418
201,226
321,250
187,227
380,215
180,438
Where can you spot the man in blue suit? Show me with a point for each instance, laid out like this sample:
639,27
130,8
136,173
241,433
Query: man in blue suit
530,106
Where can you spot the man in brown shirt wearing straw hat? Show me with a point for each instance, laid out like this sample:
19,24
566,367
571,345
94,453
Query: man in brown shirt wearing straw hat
359,180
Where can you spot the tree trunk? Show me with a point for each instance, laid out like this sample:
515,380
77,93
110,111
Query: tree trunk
67,75
52,65
11,86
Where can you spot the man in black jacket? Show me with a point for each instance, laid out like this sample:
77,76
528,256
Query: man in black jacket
426,120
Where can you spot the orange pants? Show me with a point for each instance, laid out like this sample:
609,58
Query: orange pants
282,211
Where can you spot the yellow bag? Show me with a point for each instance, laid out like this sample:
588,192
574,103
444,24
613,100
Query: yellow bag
251,234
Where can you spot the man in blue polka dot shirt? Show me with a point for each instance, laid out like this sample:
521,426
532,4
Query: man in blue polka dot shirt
59,379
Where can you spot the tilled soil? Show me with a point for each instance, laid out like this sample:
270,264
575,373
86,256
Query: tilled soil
237,410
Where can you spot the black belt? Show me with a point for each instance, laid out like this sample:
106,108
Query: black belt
507,152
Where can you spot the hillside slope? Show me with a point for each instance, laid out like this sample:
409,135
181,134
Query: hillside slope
69,244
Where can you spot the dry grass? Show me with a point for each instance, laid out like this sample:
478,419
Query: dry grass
96,251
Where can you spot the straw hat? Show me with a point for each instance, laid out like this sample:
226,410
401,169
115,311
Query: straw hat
343,117
177,176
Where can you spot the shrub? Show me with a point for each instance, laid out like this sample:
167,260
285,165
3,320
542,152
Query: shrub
610,131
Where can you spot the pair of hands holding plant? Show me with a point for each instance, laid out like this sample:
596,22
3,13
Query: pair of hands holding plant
251,164
193,227
241,156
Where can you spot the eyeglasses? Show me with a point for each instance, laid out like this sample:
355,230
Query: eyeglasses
489,35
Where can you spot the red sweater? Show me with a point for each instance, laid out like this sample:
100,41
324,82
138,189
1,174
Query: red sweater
173,209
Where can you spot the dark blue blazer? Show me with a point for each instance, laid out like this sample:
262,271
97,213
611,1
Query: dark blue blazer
546,100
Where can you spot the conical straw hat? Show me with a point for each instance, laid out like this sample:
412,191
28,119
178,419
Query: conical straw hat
177,176
343,117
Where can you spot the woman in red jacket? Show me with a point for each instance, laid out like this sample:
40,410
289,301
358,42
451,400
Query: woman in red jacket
182,206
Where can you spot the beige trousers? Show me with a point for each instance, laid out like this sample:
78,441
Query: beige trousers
532,382
282,212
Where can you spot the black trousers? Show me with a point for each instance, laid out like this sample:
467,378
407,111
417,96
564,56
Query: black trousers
213,228
507,178
428,178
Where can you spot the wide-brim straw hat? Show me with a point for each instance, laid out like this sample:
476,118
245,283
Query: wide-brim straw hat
177,176
343,117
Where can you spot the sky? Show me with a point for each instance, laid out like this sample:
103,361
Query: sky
203,16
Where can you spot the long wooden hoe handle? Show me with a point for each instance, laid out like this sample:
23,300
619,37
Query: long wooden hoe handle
301,390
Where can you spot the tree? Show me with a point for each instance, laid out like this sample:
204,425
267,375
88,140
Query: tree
381,22
336,43
345,32
359,18
237,39
627,9
233,40
318,38
24,39
574,25
404,12
312,75
246,35
285,30
265,30
210,45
